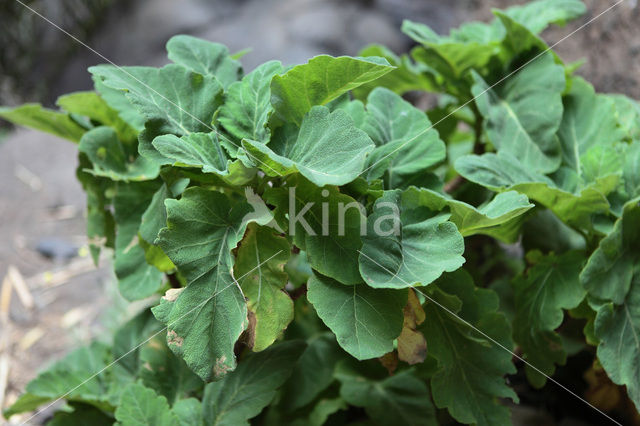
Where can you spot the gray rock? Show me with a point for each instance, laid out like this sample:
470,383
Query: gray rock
56,248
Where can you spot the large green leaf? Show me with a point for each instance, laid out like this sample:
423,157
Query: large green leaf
328,149
588,120
617,326
504,172
260,262
141,406
512,113
91,105
469,377
406,142
408,244
364,320
398,399
247,104
110,159
610,269
500,218
45,120
246,391
319,81
136,278
205,58
550,286
175,99
323,222
205,319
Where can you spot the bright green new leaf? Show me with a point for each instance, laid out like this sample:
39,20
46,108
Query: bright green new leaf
319,81
205,319
617,326
398,399
470,372
247,104
365,320
512,115
174,99
500,218
141,406
91,105
550,286
205,58
259,269
328,149
406,142
246,391
610,269
408,244
45,120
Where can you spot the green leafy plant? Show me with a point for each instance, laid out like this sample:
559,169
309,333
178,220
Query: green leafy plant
313,248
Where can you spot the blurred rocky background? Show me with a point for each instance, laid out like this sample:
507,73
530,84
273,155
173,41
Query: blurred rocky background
51,297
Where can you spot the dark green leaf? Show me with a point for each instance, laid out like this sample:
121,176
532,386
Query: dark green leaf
364,320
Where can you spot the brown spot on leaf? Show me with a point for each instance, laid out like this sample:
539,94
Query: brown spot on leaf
172,294
147,366
389,361
412,346
174,339
221,368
